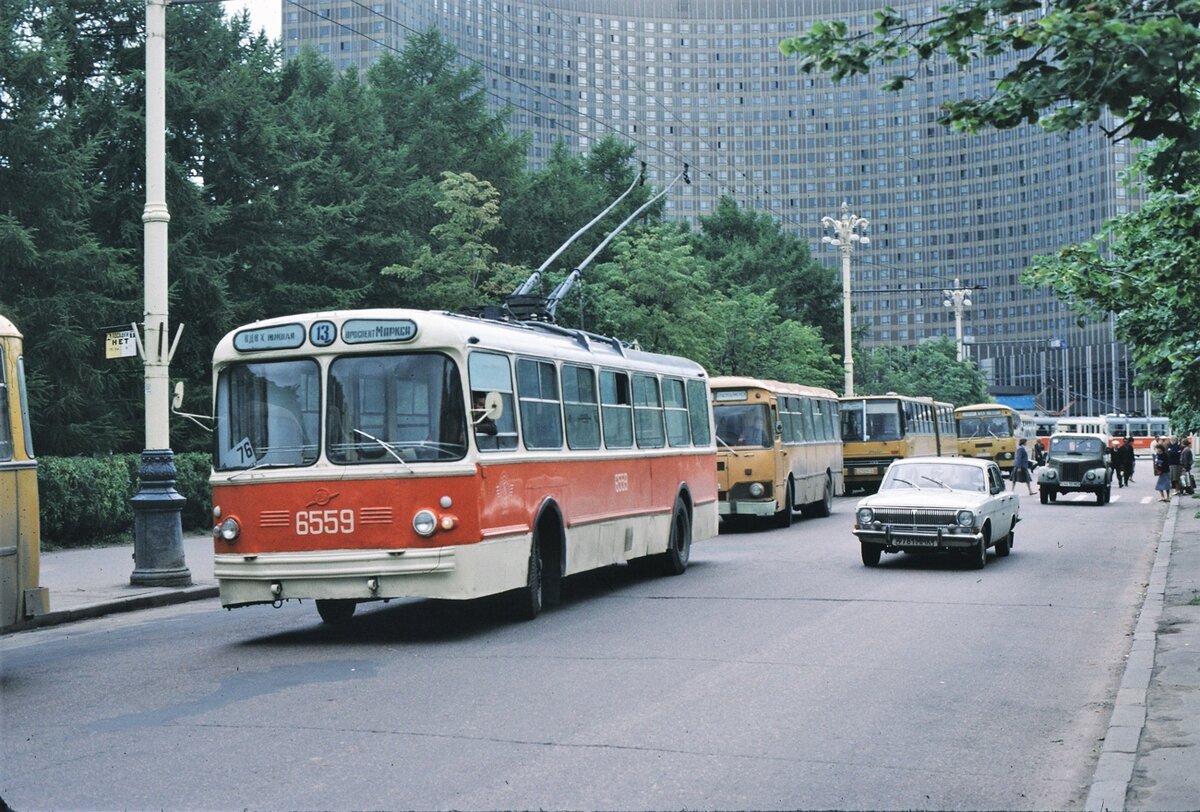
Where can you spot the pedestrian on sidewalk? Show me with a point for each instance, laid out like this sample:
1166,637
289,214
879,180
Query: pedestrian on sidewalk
1174,451
1163,473
1186,481
1021,470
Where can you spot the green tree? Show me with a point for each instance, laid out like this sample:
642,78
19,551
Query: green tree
460,274
1144,270
436,112
751,250
751,339
548,206
59,280
655,292
926,370
1071,63
1074,64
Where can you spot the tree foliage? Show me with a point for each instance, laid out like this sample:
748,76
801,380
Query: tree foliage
1072,62
1131,68
926,370
1144,269
292,188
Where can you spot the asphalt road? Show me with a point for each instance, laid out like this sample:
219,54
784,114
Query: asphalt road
778,672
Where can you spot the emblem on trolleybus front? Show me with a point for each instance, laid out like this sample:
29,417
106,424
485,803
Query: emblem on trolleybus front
322,497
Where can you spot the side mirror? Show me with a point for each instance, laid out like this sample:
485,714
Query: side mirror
493,408
177,399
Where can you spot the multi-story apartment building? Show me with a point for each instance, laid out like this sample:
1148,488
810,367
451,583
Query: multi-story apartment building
703,82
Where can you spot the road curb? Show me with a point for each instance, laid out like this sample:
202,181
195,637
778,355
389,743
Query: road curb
1114,770
110,607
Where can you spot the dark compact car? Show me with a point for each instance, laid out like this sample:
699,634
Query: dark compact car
1077,462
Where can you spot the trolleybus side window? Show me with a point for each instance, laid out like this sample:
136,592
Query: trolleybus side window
648,412
616,404
6,446
581,407
392,409
493,373
541,411
698,412
268,414
675,401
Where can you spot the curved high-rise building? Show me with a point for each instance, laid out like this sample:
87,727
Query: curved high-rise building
703,82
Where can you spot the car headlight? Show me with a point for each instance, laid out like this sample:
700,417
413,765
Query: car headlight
1090,475
865,515
424,523
757,489
1050,473
965,518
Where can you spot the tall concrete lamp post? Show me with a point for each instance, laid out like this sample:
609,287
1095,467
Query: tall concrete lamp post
157,522
958,297
847,231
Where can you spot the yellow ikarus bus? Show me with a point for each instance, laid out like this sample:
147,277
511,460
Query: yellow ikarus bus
20,544
778,449
877,429
990,431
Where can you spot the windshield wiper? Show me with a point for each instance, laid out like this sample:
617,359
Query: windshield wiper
727,445
386,447
258,465
906,482
936,482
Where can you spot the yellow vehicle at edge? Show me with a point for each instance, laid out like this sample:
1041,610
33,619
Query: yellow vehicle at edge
20,537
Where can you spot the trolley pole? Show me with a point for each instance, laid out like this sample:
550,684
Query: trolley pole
848,230
157,524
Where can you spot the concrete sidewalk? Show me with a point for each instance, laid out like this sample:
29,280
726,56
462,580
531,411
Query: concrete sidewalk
94,581
1150,758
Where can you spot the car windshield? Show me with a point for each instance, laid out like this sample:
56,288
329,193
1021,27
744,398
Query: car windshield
934,475
1075,445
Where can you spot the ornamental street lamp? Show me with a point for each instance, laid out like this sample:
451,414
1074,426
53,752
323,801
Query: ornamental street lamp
958,297
157,522
848,230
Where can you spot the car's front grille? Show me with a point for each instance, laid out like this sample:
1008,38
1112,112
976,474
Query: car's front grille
912,517
1074,471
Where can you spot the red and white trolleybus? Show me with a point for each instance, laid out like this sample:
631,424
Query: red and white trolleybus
380,454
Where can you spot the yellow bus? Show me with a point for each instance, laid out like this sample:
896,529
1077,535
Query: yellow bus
990,431
20,542
778,449
877,429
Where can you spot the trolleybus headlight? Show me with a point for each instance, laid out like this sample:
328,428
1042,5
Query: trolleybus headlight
228,530
757,489
965,518
865,515
425,523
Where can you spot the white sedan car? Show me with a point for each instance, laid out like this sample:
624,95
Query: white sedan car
946,504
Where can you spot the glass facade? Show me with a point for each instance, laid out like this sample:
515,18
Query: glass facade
703,82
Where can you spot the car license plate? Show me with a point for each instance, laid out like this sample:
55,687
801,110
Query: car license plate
912,541
865,471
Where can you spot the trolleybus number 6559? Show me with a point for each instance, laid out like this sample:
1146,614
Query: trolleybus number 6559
320,522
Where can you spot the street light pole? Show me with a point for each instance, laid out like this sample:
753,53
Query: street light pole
958,297
157,521
848,230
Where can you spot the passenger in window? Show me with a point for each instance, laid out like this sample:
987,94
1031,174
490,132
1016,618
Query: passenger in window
483,424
